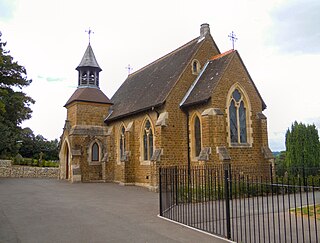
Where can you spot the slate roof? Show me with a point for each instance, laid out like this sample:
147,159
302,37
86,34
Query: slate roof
204,85
89,94
150,86
88,59
207,80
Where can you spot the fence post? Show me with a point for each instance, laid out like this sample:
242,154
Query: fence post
176,182
160,192
227,196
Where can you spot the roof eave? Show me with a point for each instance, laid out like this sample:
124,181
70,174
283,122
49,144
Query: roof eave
199,102
88,101
112,119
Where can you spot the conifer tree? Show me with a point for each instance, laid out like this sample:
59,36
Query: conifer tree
302,146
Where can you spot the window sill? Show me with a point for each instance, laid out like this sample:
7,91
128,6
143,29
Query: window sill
94,163
145,162
240,145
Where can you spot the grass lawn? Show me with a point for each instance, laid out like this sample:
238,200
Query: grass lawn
308,209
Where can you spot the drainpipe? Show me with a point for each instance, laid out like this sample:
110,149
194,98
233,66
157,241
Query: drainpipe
189,160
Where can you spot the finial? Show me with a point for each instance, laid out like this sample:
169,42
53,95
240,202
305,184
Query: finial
233,39
89,33
129,68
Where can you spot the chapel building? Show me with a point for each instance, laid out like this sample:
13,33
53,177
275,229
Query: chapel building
194,105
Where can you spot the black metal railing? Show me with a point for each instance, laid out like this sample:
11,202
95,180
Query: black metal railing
242,207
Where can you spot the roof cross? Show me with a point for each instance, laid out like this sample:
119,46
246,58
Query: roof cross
129,68
233,39
89,33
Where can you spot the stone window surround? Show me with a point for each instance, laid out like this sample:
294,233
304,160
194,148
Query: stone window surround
247,105
192,137
142,161
195,67
119,160
89,152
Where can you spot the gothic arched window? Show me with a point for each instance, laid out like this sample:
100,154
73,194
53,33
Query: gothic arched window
238,118
122,143
197,136
147,141
95,152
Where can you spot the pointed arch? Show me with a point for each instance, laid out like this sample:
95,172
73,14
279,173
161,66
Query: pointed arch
238,111
196,134
147,139
65,159
121,142
95,151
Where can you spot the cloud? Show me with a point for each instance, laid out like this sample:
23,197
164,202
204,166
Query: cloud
50,79
295,27
7,8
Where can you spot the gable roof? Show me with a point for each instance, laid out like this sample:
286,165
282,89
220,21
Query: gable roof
88,94
150,86
201,91
89,59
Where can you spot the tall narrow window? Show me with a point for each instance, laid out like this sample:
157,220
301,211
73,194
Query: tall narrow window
237,118
84,77
197,136
195,67
95,152
91,78
122,144
147,141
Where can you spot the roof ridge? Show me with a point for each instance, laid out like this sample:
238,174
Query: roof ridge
222,54
165,56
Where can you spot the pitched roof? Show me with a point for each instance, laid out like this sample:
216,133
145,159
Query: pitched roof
205,83
202,89
150,86
88,59
89,94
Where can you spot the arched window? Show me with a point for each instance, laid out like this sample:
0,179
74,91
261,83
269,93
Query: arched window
95,152
195,67
237,118
122,143
197,136
147,141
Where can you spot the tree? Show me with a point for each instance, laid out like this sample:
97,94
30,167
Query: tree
14,104
31,146
302,146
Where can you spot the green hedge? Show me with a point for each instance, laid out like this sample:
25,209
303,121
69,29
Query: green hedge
18,160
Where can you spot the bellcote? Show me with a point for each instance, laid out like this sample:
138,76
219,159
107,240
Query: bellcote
89,70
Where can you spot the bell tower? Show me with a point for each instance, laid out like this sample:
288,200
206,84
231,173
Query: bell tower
88,70
84,140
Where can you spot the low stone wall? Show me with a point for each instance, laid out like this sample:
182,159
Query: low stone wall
14,171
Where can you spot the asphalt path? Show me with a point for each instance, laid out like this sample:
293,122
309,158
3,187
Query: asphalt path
49,210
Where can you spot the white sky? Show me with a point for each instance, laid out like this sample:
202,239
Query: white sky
278,40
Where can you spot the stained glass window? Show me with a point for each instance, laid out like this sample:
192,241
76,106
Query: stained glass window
197,136
147,141
233,122
237,118
122,143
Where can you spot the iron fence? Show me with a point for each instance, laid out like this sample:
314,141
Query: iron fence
241,207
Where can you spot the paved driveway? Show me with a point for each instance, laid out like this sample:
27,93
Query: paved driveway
39,210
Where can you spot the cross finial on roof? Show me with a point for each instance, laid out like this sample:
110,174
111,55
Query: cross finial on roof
129,68
89,33
233,39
